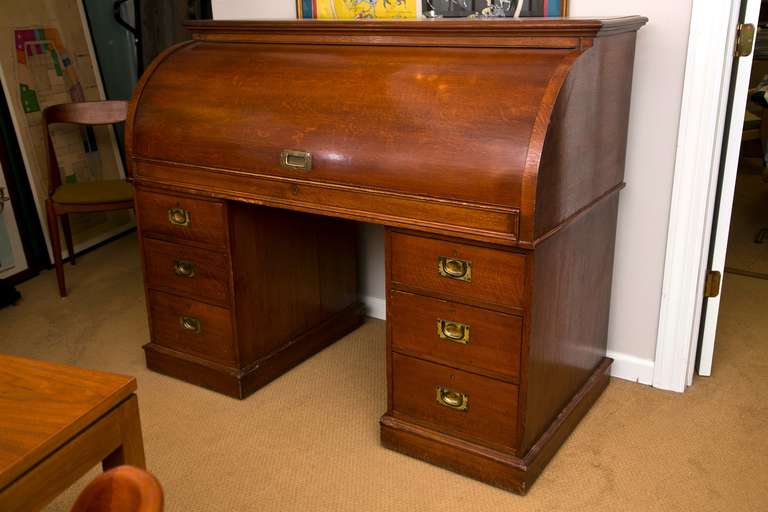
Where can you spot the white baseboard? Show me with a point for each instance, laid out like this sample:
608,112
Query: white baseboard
375,307
624,366
629,367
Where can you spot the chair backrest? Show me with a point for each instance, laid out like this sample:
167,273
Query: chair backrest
122,489
87,112
83,113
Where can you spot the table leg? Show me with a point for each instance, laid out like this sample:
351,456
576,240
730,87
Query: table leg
118,428
131,449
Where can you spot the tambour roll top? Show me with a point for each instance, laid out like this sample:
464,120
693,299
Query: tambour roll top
458,120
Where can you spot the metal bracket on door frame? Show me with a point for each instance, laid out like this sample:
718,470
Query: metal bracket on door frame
712,284
745,38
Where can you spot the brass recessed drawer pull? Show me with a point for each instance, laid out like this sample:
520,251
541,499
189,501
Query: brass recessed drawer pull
296,160
451,398
192,324
453,331
179,217
454,268
183,268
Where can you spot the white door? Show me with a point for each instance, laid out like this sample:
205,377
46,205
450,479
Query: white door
12,259
730,163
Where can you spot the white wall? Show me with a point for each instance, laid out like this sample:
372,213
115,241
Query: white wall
644,208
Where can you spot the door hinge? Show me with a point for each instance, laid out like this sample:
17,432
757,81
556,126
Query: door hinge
745,37
712,284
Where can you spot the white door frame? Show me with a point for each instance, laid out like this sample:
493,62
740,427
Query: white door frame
697,163
722,216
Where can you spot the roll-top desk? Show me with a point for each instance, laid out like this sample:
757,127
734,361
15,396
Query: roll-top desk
492,151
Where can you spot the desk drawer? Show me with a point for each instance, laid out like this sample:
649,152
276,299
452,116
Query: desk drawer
454,401
186,270
458,270
182,217
455,334
191,327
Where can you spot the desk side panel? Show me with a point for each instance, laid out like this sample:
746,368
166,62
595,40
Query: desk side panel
585,147
572,272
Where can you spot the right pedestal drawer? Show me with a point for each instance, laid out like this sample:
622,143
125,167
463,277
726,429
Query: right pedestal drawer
447,332
454,401
457,270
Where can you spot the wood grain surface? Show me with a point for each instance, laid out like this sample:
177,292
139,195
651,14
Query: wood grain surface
215,339
493,347
209,278
44,404
122,489
491,417
498,276
207,221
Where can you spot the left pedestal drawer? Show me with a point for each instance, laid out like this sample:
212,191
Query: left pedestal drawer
191,327
182,217
197,273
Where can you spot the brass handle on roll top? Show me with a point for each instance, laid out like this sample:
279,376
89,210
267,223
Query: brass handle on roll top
192,324
183,268
451,398
179,217
453,331
296,160
454,268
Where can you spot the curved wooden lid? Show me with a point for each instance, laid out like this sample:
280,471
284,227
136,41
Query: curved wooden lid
449,111
443,124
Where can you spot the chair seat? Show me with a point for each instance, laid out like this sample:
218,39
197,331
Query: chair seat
93,192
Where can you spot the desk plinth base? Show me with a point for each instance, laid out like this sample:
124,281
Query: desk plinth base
240,383
488,465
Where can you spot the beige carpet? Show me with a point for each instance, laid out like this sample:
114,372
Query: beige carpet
749,216
309,441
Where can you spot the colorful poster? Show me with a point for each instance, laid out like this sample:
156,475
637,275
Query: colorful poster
47,76
358,9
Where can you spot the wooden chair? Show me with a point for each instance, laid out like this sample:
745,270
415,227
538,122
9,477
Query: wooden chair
94,196
122,489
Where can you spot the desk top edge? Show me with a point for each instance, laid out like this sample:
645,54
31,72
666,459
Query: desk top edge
439,26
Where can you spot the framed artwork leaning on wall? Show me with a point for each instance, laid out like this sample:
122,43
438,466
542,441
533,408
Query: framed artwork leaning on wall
494,8
410,9
358,9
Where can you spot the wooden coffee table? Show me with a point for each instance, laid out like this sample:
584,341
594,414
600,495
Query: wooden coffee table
56,423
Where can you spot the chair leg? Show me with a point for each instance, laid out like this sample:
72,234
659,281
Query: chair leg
53,232
68,237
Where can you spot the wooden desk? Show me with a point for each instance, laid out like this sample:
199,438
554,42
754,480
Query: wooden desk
56,423
493,152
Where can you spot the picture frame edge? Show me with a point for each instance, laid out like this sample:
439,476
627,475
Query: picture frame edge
300,9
